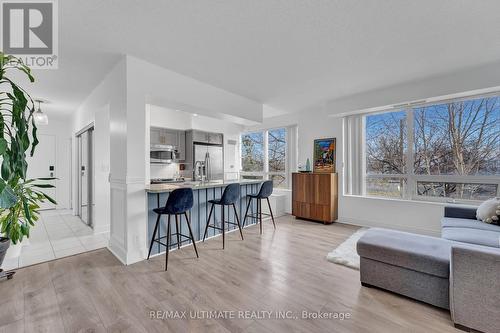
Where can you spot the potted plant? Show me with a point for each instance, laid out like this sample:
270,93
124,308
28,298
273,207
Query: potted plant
19,197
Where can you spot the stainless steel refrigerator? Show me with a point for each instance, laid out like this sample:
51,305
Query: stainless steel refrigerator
214,154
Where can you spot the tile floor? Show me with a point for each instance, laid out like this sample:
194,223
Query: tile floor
57,234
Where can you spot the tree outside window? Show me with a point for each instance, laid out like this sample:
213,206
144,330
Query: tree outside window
445,150
264,156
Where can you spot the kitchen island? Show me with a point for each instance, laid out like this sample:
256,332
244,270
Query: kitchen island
202,192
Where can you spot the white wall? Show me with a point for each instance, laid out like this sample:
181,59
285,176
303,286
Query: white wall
101,170
168,118
61,129
178,92
485,77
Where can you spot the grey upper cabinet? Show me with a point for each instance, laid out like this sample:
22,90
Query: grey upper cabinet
166,136
215,138
182,145
206,137
155,135
171,137
200,136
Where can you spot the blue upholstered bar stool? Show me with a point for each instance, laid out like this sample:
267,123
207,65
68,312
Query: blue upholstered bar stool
178,203
265,192
229,198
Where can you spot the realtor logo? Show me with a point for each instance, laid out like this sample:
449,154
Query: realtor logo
29,31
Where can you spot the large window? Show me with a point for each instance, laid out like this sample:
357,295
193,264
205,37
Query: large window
264,156
443,151
252,152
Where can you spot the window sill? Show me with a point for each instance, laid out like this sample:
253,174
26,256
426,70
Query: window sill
437,203
282,189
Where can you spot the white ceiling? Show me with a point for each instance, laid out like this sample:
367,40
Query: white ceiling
289,54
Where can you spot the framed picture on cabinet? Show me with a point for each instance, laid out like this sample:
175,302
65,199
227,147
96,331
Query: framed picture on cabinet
324,155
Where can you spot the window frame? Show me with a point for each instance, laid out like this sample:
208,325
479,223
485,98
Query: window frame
265,174
412,179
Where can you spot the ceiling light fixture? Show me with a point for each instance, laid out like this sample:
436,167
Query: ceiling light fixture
40,117
195,115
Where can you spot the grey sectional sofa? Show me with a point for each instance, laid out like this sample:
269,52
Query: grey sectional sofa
459,271
460,224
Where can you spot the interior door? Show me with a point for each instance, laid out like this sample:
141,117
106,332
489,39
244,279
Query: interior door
43,164
84,170
85,206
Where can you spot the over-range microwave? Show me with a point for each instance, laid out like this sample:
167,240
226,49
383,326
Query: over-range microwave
163,154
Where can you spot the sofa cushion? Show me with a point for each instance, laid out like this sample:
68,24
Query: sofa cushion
449,222
489,211
472,236
425,254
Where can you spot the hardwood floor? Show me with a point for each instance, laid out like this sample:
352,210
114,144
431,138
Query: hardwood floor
282,270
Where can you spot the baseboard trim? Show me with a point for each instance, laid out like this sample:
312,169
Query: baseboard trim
118,251
374,224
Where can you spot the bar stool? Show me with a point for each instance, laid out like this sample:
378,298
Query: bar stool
178,203
265,192
229,198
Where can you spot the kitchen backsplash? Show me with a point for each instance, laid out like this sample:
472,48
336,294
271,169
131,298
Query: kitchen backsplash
164,170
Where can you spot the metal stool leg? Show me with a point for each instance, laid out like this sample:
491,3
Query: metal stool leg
168,243
208,222
191,234
223,230
153,237
259,211
238,220
271,211
246,212
178,231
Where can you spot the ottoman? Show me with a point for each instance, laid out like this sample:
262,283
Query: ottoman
412,265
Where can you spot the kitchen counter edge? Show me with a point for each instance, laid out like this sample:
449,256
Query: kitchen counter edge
162,188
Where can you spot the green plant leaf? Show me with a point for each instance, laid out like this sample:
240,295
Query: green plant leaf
27,211
49,198
6,171
7,197
34,135
43,185
3,146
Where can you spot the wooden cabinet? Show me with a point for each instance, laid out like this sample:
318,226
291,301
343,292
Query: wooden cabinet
315,196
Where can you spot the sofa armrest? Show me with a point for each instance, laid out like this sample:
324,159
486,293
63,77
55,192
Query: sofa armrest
460,212
475,287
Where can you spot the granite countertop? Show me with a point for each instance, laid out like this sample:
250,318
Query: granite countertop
169,187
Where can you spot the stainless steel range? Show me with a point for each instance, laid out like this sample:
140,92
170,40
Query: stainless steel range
166,180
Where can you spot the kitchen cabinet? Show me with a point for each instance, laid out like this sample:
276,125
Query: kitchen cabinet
314,196
181,148
199,136
215,138
207,137
172,137
154,135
